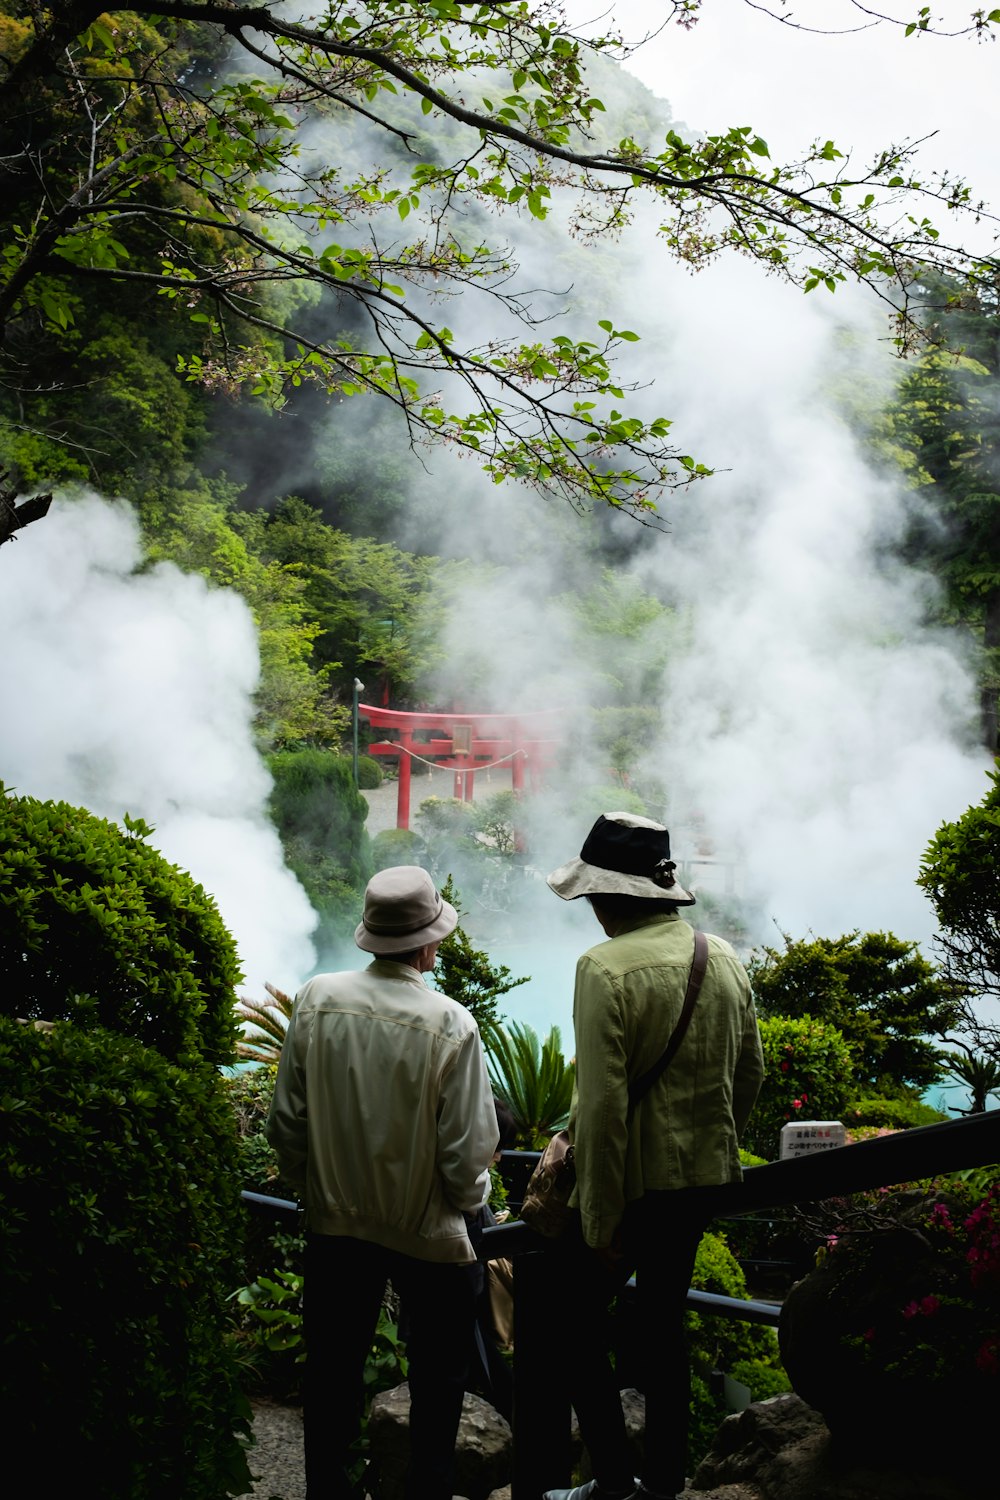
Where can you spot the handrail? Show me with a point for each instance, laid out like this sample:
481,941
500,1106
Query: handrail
541,1457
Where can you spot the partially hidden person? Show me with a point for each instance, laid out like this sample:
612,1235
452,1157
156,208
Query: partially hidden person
383,1118
644,1173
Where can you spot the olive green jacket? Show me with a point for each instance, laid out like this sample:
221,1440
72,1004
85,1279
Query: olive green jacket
684,1132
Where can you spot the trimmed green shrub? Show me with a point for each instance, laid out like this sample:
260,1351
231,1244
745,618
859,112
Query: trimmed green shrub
807,1076
320,817
119,1216
396,846
98,928
896,1114
370,773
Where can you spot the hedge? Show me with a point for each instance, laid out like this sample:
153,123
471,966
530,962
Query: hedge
119,1194
97,928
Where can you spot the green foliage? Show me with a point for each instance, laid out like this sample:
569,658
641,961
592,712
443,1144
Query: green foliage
98,929
496,823
591,801
880,993
119,1212
277,1302
370,773
466,974
901,1318
272,1332
249,1093
807,1076
269,1020
185,216
532,1078
981,1076
320,815
201,531
395,846
960,874
941,429
447,826
373,604
896,1114
745,1351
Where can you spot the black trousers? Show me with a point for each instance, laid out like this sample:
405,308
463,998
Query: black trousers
344,1286
660,1236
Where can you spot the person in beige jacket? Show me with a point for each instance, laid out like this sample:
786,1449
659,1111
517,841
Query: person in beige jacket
383,1118
643,1174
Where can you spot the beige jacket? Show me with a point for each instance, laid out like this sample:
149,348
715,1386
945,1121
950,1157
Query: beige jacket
685,1131
382,1111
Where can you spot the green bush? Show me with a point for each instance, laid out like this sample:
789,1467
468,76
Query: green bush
896,1114
99,929
396,846
119,1214
320,817
590,802
746,1351
807,1076
878,990
370,773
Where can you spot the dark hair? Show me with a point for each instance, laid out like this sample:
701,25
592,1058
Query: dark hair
618,905
506,1124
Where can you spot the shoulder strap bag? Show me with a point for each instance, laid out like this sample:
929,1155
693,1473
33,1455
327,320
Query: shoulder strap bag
550,1187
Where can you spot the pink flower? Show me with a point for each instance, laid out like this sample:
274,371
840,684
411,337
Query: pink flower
796,1103
784,1067
925,1308
988,1358
868,1335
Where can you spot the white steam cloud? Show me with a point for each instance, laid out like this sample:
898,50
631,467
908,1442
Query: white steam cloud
817,728
132,692
819,724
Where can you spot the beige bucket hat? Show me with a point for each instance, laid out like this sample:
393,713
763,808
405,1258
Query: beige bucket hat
403,911
625,855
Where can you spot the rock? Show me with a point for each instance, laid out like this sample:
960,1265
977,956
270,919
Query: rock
482,1452
747,1441
782,1450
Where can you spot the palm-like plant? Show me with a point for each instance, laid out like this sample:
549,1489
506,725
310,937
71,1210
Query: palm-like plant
981,1076
270,1017
532,1078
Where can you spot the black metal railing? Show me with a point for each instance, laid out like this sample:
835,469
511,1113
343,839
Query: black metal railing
541,1427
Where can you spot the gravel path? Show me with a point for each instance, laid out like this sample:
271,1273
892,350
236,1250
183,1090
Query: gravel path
276,1458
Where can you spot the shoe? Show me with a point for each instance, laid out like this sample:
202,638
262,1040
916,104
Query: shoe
590,1491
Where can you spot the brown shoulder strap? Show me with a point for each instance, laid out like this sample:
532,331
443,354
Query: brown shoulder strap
699,964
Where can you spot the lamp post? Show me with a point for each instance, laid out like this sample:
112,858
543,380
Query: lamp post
359,687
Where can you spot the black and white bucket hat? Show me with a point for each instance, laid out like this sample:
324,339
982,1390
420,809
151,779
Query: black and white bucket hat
626,855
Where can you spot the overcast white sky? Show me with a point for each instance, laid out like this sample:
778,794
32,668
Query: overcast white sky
861,88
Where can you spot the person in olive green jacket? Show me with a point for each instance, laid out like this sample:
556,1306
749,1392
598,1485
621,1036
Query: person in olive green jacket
643,1174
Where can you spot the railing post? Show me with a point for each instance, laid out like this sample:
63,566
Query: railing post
542,1454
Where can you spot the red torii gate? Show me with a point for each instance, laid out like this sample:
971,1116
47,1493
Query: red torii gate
464,743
